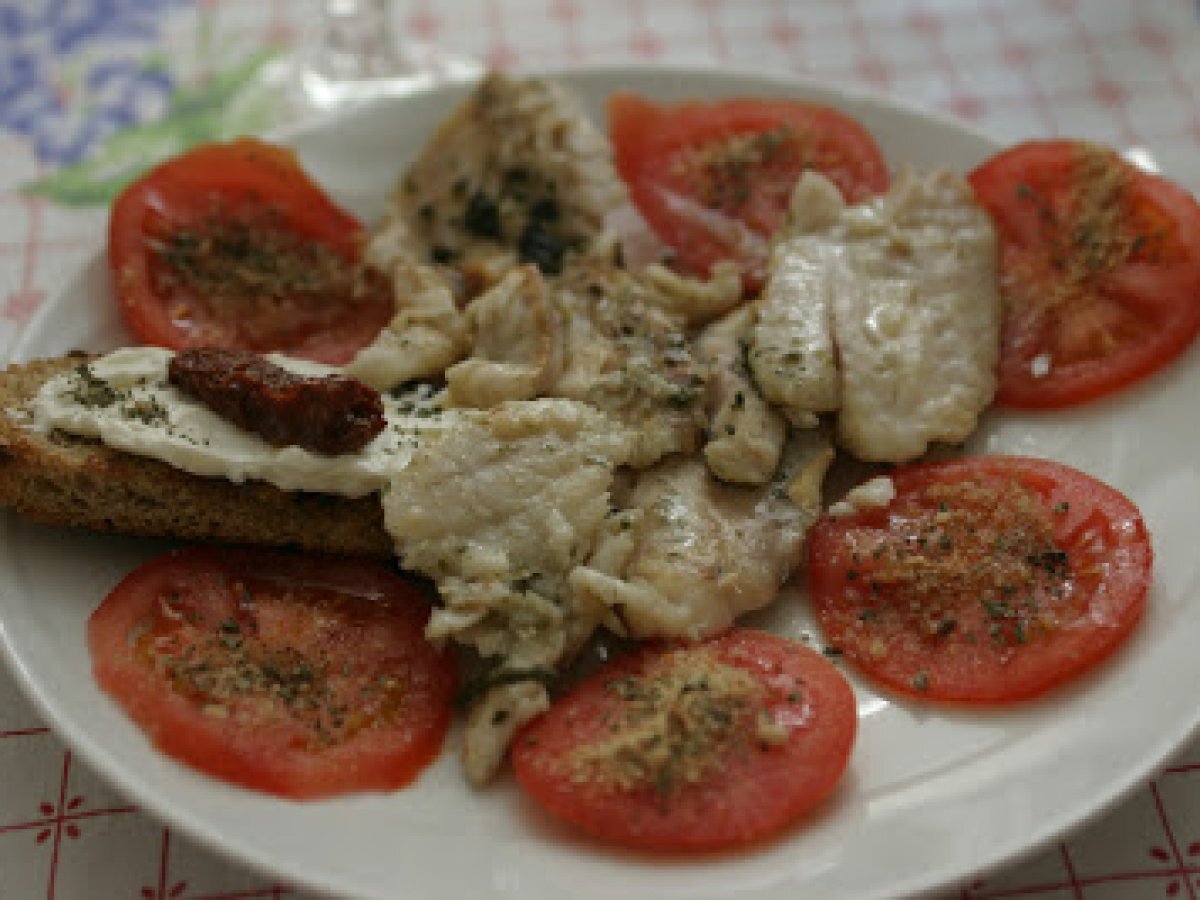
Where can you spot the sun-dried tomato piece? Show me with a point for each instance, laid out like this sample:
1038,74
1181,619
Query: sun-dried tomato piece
326,414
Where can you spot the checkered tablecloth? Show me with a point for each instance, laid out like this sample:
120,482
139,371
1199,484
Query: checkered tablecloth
87,86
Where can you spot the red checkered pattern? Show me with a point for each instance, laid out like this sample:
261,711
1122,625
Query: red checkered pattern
1125,73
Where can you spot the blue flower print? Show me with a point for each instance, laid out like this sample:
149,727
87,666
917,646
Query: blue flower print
72,72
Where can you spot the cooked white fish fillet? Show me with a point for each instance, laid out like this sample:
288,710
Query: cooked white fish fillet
790,349
516,334
888,311
427,333
692,299
745,433
687,554
516,170
624,355
916,318
493,721
497,510
597,334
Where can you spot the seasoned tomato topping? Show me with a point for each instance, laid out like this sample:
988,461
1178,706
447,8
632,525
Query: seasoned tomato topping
693,747
985,579
327,414
1099,271
992,542
673,723
229,667
234,245
301,676
250,268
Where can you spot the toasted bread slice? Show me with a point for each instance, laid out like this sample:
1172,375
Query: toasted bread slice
58,479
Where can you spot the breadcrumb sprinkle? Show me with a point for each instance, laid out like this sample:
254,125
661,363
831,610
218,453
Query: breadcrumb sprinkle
675,723
235,668
967,543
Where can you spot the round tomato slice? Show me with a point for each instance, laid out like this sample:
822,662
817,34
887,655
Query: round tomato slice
714,179
233,245
986,579
695,747
1099,271
297,676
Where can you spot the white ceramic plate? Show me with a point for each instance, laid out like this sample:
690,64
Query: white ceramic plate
930,797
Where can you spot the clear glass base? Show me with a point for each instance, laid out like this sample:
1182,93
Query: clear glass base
358,58
324,89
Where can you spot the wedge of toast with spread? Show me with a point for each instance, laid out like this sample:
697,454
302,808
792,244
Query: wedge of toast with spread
58,479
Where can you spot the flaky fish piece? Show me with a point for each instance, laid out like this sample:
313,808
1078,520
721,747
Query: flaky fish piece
516,174
694,299
916,318
599,334
684,554
625,355
887,312
790,345
516,336
497,511
745,433
427,333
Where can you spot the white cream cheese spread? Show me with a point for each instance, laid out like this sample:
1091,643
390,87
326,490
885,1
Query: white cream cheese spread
124,400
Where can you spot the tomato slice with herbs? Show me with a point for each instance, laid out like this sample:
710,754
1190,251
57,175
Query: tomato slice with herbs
986,579
297,676
693,747
233,245
1099,271
713,180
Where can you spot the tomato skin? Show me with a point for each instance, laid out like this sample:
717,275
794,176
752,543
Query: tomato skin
341,618
730,208
1000,647
748,798
245,181
1114,326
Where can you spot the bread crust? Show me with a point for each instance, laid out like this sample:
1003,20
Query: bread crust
59,479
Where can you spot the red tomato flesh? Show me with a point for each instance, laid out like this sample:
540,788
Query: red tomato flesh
234,246
296,676
986,580
1099,271
714,179
755,731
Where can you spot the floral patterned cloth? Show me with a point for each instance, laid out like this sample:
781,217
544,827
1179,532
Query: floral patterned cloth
75,74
